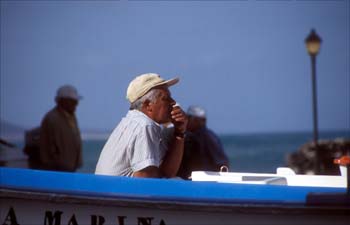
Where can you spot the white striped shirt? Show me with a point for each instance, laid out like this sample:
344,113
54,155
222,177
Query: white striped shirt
136,143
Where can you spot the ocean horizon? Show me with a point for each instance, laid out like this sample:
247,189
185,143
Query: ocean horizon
249,152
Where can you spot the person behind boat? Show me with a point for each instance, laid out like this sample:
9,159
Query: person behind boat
140,146
203,148
60,140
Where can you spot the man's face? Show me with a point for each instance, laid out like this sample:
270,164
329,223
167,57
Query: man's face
162,107
195,123
68,104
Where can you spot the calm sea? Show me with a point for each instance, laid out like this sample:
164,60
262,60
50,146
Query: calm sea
247,152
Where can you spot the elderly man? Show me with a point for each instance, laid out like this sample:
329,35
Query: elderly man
60,141
140,146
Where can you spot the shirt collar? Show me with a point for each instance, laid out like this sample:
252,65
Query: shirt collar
136,112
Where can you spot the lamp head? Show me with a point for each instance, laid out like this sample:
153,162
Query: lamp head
313,43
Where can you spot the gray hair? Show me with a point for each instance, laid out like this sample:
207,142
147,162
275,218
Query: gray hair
150,96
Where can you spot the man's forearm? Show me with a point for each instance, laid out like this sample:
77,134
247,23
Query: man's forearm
173,158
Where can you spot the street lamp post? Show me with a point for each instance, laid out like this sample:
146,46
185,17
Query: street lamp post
313,43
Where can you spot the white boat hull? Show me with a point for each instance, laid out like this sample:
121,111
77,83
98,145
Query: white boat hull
30,209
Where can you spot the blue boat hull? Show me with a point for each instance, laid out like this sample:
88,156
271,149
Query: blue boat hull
43,197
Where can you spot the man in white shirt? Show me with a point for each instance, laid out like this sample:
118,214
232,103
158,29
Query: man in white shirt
140,146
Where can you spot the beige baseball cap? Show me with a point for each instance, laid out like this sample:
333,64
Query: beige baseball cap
139,86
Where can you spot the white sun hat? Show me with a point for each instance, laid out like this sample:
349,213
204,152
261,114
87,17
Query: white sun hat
68,91
196,111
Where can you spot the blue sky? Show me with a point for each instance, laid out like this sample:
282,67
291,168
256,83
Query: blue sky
245,62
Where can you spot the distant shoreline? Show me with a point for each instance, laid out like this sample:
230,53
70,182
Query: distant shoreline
95,136
20,137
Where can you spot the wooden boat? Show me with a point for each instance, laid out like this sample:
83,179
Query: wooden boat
55,198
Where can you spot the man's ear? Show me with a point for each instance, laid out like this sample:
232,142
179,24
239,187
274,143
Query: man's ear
58,101
146,106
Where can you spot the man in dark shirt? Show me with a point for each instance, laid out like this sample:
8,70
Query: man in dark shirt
203,149
60,141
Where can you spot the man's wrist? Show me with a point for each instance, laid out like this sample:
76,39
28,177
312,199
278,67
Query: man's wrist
179,134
